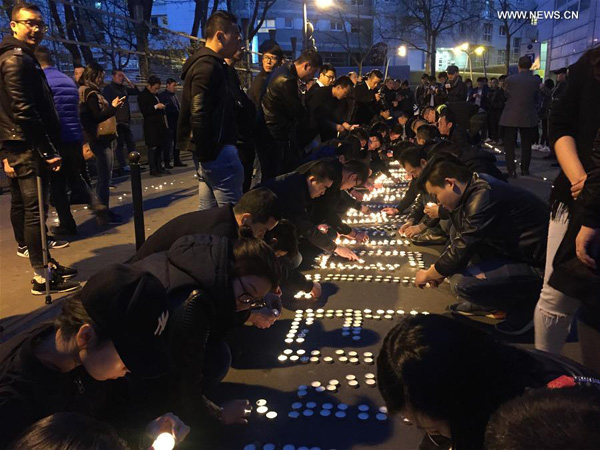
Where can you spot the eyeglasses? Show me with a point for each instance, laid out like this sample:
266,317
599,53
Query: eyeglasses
270,58
331,77
31,24
248,299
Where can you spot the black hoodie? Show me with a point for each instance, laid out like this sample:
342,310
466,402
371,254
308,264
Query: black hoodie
207,119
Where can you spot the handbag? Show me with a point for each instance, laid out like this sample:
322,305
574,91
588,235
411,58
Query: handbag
107,128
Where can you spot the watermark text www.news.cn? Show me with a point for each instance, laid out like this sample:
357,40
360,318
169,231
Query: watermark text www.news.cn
538,15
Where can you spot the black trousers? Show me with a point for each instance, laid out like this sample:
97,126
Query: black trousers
246,153
155,158
68,175
510,142
24,206
124,138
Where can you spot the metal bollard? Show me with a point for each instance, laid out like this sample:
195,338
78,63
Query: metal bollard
138,203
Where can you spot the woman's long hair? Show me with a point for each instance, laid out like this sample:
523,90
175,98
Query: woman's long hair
453,372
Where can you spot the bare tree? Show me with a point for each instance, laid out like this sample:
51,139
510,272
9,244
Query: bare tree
258,15
511,24
356,36
420,23
141,10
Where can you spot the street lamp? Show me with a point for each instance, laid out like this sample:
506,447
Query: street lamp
320,4
402,51
479,51
465,48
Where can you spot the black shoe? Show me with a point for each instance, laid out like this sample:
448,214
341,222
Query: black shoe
112,187
180,164
62,271
429,238
168,166
468,309
165,171
142,168
512,329
115,219
53,243
57,285
65,230
155,174
525,173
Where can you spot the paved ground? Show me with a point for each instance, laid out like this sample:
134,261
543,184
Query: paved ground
257,372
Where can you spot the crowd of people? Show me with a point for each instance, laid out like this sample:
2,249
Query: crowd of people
148,336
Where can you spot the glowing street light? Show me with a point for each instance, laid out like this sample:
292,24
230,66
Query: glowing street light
324,4
402,51
464,47
479,50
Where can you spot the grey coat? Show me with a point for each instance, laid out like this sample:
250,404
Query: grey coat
522,91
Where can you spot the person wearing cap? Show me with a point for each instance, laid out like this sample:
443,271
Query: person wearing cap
520,115
210,281
168,97
456,87
111,328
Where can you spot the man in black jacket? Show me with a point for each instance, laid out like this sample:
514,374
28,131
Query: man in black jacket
296,191
326,108
29,127
271,59
169,98
155,125
207,121
496,256
283,110
257,212
366,98
457,89
121,86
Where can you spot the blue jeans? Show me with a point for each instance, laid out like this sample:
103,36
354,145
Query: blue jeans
510,286
220,181
103,152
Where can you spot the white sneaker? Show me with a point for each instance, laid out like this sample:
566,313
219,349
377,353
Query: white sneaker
535,147
544,149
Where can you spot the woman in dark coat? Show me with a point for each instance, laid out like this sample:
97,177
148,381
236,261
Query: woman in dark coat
94,110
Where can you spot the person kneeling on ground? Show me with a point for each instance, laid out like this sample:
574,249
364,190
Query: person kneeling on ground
111,328
210,281
496,257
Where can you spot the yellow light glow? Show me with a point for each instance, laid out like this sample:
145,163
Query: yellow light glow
479,50
164,441
324,4
464,47
402,51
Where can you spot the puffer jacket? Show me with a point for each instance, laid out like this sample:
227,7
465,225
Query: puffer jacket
207,119
28,117
66,100
281,105
496,219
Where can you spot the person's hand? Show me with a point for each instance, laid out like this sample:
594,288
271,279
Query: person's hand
262,318
54,163
432,210
316,291
345,252
390,211
8,170
339,128
358,195
365,209
118,102
323,228
428,276
404,227
160,106
361,236
377,96
587,246
273,302
168,423
235,411
414,230
577,187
